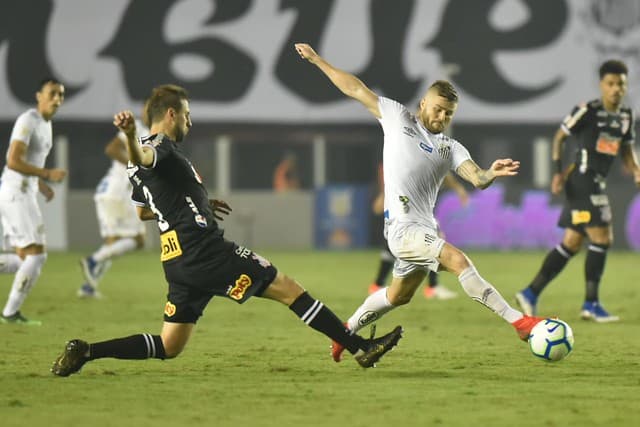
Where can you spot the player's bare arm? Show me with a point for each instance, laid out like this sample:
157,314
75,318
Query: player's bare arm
630,161
145,214
138,155
481,178
558,179
16,161
219,207
348,84
115,150
45,190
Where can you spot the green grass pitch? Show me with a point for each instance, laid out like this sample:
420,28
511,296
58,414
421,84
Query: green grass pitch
258,365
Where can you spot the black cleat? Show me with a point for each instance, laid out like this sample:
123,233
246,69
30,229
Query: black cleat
72,358
378,347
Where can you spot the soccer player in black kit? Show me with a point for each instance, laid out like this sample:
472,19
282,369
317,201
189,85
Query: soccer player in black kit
603,128
198,262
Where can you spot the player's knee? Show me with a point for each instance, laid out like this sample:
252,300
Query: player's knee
458,263
399,299
172,348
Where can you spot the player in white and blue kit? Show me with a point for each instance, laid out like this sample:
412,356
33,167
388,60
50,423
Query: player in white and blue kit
416,158
22,178
120,228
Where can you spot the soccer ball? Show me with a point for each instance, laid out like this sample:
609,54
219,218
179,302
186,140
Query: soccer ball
551,340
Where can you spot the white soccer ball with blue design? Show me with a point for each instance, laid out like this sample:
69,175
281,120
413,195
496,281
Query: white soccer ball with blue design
551,340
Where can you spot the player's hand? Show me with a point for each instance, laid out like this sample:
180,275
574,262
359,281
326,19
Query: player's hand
219,206
55,175
505,167
46,190
306,52
125,121
557,182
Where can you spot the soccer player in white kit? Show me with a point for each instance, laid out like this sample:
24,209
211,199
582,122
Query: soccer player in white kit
416,158
120,228
22,177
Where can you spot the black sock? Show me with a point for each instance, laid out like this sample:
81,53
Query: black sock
433,279
315,314
593,268
385,266
553,264
141,346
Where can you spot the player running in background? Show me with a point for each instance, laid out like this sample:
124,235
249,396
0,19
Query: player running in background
23,176
120,228
198,262
434,289
416,158
603,128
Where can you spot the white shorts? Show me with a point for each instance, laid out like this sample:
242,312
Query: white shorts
22,223
415,247
117,217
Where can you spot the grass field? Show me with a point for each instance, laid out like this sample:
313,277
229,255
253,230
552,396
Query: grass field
258,365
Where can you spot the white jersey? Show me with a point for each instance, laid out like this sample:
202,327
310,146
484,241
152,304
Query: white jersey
415,162
33,130
115,184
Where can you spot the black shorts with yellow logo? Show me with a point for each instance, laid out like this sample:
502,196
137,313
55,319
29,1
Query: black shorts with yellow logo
586,204
227,270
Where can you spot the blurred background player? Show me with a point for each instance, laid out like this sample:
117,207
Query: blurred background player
285,175
120,228
602,128
23,176
434,289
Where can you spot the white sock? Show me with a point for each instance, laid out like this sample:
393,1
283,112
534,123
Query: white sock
9,263
373,308
23,281
119,247
482,291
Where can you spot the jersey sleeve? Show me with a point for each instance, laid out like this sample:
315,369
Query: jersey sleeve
162,148
137,197
390,113
459,155
575,120
23,129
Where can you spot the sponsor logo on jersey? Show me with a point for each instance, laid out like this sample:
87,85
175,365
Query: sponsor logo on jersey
409,132
607,145
240,288
261,260
169,309
169,246
243,252
425,147
580,217
405,203
599,200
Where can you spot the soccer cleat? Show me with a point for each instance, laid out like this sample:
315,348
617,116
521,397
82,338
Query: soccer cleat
593,310
378,347
18,319
90,269
527,301
374,287
72,358
525,324
337,348
88,291
439,292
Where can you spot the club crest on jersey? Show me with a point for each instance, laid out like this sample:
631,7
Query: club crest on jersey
238,290
444,151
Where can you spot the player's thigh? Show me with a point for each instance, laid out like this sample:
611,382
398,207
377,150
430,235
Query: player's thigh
175,337
283,289
22,221
453,259
600,235
572,239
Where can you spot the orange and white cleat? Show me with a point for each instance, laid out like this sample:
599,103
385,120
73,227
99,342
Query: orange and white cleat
525,325
374,287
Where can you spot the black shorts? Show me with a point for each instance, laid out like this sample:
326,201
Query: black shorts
241,275
587,204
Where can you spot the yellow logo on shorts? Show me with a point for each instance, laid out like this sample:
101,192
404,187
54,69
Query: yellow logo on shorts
169,246
238,290
580,217
169,309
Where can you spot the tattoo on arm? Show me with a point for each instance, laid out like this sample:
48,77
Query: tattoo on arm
474,174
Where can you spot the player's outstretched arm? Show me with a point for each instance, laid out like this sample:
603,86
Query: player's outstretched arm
138,155
348,84
481,178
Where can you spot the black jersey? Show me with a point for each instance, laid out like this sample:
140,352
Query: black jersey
172,189
599,135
